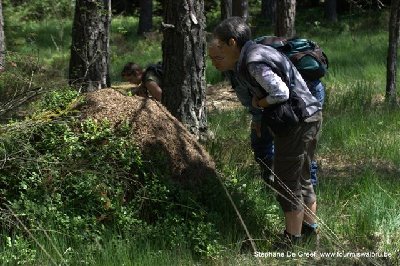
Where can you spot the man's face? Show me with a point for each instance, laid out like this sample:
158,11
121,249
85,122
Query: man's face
223,56
134,78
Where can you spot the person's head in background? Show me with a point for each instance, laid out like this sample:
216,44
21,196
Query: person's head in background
228,38
132,72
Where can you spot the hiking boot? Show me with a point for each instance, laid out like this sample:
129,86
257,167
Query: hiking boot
310,233
286,242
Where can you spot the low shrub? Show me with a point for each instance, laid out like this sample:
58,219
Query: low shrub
81,180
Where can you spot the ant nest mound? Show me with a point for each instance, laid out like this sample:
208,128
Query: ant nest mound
157,133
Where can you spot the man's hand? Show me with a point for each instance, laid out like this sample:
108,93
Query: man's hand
255,102
140,91
259,103
257,127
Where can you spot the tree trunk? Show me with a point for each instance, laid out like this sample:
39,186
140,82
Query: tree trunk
226,9
90,49
184,63
268,10
124,7
330,10
146,16
286,14
2,40
394,28
240,8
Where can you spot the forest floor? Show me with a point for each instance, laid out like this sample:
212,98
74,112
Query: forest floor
219,97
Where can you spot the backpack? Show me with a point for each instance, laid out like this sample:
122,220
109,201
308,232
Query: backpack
306,55
156,69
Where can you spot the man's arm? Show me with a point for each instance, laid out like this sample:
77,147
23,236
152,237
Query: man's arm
244,96
154,89
275,88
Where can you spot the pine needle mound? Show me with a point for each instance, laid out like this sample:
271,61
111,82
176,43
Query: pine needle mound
157,133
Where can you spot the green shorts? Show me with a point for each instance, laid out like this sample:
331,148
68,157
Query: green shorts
293,155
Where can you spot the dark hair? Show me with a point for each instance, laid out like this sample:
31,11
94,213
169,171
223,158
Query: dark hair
130,68
233,27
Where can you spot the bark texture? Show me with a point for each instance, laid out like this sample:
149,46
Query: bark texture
394,29
286,14
226,9
184,63
240,8
330,10
146,16
268,10
90,48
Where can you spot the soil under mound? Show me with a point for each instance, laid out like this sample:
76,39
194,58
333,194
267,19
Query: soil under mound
159,135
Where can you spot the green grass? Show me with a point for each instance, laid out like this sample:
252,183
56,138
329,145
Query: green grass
48,41
359,149
362,210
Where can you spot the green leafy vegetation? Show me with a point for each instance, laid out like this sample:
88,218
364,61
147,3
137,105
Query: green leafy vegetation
67,183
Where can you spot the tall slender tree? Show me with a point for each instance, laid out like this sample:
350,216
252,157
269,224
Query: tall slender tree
268,10
146,16
240,8
394,29
90,49
286,15
184,62
330,10
226,9
2,39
